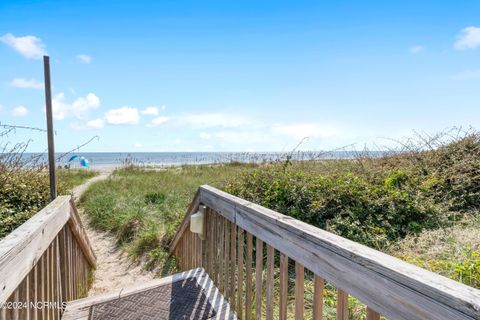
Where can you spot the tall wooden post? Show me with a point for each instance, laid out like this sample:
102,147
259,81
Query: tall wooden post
51,144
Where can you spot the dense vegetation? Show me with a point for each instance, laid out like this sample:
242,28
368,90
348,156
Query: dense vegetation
408,204
25,190
374,201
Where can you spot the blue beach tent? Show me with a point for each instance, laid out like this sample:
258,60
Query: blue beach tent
83,161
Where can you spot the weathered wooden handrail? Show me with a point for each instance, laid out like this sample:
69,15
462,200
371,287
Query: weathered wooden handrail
45,260
387,285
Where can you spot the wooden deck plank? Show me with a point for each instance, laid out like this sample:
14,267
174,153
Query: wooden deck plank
79,309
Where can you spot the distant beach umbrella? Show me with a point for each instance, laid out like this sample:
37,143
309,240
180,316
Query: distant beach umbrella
84,162
73,158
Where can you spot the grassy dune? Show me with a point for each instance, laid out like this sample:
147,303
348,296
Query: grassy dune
143,208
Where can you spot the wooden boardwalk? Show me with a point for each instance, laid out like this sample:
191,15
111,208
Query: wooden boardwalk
260,264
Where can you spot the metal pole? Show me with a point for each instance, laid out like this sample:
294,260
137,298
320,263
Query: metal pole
51,144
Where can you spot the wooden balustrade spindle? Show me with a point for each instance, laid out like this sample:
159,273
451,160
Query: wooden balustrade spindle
283,286
221,261
63,266
269,283
33,291
318,298
212,250
240,274
226,226
258,280
299,291
3,314
209,248
248,278
233,263
206,233
342,305
372,314
15,311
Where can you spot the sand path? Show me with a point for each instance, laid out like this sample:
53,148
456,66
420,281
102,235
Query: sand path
114,268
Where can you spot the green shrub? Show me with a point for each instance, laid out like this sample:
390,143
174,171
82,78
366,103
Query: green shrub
347,205
458,167
25,192
21,196
374,201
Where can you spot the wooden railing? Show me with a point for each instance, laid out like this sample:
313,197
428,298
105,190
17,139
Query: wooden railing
44,263
306,266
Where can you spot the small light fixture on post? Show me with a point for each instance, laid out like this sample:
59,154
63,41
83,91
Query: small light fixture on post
197,222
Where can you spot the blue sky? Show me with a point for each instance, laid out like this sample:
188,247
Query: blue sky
239,76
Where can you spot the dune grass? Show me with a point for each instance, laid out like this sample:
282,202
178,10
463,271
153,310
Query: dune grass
143,208
70,178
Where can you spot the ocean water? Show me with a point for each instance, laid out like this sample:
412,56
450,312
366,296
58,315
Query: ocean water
116,159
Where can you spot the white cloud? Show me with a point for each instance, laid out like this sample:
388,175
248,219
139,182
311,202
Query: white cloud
417,49
98,123
150,111
19,111
302,130
137,145
205,135
210,120
84,58
245,138
76,126
469,38
78,108
158,121
124,115
26,83
467,75
30,47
